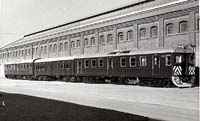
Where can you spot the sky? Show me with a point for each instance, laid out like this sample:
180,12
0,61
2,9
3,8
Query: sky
21,17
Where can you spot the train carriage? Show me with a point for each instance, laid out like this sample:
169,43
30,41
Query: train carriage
54,68
152,67
19,70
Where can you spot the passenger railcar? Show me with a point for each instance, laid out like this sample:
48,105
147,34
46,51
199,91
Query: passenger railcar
151,67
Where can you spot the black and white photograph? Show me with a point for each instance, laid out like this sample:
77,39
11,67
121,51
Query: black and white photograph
99,60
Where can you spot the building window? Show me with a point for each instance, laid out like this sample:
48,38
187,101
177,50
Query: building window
168,60
86,63
36,50
78,43
154,31
109,38
66,45
143,61
101,40
61,47
130,35
22,53
100,62
120,36
55,47
26,52
123,62
183,26
41,49
93,63
86,42
142,33
169,29
72,44
45,49
132,61
197,24
92,41
50,48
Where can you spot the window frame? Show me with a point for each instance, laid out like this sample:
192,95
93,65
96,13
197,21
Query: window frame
130,64
168,27
130,35
142,33
86,66
93,60
166,60
121,58
154,31
183,26
141,63
120,36
99,64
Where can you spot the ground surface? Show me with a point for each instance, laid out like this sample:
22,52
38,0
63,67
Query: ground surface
28,108
172,104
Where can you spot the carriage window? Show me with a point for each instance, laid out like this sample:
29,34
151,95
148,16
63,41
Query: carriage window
123,62
155,60
178,59
86,63
100,63
132,61
93,64
191,58
66,66
168,60
143,61
62,65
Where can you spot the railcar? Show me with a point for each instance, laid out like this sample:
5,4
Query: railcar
152,67
54,69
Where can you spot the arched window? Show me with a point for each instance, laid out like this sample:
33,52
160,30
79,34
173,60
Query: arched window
72,44
109,38
36,50
154,31
120,36
142,33
41,49
101,39
66,45
169,28
50,48
92,41
55,47
78,43
86,42
183,26
61,47
129,35
45,49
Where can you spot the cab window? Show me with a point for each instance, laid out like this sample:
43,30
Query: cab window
178,59
168,60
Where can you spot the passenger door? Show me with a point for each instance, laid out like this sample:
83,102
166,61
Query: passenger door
78,67
109,66
155,64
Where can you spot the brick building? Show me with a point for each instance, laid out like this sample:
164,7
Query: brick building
145,24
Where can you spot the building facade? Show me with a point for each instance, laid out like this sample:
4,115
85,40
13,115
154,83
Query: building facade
145,24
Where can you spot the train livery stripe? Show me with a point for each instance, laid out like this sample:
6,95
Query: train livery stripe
177,70
191,70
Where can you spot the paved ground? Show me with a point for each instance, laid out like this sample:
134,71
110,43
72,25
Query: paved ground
172,104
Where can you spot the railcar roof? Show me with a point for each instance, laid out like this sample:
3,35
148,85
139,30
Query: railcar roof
20,62
54,59
140,52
